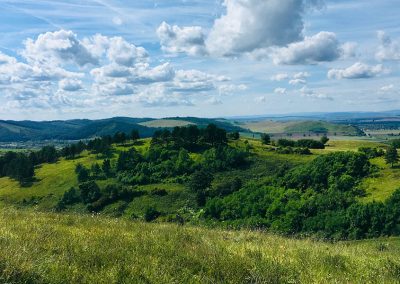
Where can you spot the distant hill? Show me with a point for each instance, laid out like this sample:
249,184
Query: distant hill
15,131
300,127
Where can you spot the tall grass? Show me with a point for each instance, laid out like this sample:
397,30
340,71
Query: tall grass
66,248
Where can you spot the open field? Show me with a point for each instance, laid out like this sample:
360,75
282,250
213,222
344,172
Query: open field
166,123
299,127
67,248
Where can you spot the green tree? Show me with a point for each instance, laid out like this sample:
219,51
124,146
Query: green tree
199,182
106,167
265,139
391,156
135,135
324,139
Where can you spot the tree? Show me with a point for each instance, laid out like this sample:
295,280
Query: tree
135,135
265,139
90,192
391,156
151,214
199,182
119,137
96,170
234,135
82,172
106,167
324,139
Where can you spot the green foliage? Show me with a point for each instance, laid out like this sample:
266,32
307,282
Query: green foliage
371,152
324,139
265,139
199,182
234,135
89,192
391,156
151,214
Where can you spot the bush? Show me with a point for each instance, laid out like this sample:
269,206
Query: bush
151,214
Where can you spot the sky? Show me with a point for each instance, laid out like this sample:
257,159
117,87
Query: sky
206,58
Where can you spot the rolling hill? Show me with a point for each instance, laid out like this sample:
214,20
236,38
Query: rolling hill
300,127
14,131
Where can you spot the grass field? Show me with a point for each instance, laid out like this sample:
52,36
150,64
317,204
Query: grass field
293,127
166,123
66,248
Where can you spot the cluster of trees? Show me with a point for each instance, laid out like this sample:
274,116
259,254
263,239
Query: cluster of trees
20,166
169,159
320,198
95,199
190,137
302,143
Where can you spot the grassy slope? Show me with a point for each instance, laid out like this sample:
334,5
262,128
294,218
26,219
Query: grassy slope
166,123
64,248
276,127
52,181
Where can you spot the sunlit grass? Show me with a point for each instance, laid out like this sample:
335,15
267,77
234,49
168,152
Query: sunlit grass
67,248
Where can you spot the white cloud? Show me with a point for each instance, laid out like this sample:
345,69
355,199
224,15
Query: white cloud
252,24
322,47
55,48
349,49
227,89
158,96
357,71
280,77
388,49
281,91
301,75
297,82
214,101
308,93
261,99
175,40
117,49
387,88
70,85
245,27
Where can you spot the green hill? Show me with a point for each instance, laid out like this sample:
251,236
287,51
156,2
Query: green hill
301,127
14,131
67,248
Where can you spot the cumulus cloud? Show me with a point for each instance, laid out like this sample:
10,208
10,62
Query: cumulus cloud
56,48
246,26
387,88
357,71
322,47
280,91
280,77
117,49
301,75
70,85
158,96
388,49
308,93
261,99
297,82
58,69
188,40
227,89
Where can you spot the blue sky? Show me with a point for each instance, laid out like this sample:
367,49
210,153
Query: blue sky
209,58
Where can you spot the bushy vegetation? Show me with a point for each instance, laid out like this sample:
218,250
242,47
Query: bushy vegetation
319,199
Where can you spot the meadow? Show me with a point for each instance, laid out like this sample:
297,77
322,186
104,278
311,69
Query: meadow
68,248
